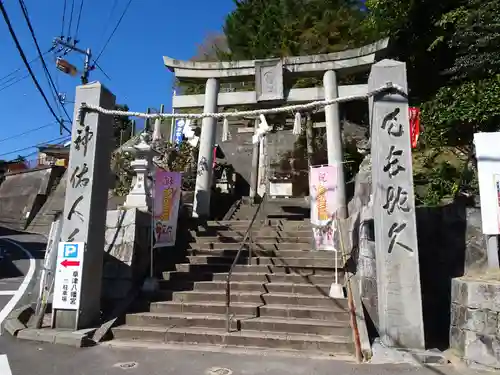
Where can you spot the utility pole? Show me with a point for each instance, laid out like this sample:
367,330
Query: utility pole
87,67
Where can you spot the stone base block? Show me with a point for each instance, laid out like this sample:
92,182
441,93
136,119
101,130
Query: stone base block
475,321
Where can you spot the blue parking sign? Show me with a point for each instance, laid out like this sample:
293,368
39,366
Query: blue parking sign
70,250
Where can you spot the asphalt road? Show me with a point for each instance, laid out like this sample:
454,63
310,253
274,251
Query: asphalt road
46,359
22,257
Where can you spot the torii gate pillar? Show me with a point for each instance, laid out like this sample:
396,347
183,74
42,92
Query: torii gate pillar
201,204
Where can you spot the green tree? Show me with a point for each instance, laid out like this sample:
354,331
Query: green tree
259,29
451,50
469,101
122,127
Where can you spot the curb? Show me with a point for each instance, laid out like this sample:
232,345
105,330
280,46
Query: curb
17,326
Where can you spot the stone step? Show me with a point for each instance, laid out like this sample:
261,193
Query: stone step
212,223
259,239
291,225
250,323
258,252
258,297
264,277
172,319
256,246
303,262
305,312
213,307
278,277
276,268
295,326
266,232
219,296
291,288
340,313
332,344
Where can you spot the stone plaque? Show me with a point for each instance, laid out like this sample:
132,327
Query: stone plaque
269,80
398,274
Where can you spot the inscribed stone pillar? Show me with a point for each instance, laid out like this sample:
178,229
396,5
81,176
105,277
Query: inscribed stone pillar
334,139
85,206
201,205
398,275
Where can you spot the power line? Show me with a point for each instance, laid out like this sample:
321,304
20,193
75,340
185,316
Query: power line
107,23
78,21
113,32
36,145
21,68
47,73
13,83
27,132
63,19
25,60
71,17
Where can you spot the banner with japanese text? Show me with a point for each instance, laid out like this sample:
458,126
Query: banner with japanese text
167,195
323,186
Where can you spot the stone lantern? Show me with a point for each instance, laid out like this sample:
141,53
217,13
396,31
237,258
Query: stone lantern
140,195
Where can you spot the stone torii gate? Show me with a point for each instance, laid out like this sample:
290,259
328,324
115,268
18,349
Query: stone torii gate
270,89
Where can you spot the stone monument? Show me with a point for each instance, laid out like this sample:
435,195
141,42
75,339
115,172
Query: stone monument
88,181
398,275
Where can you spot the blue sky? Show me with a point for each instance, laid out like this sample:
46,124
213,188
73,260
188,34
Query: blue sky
133,58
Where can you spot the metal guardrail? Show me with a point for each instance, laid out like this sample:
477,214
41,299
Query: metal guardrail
246,242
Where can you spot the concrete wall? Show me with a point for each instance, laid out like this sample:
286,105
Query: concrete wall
126,253
25,192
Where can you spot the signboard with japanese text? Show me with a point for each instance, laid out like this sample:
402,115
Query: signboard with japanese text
68,277
323,185
488,173
167,195
179,130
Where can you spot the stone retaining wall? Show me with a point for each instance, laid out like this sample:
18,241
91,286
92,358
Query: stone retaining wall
475,320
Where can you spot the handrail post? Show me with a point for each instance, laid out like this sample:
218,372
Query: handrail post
245,242
228,302
250,248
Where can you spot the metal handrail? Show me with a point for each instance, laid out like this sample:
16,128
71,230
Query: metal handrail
248,235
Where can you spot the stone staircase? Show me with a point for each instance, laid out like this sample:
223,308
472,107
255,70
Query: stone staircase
279,301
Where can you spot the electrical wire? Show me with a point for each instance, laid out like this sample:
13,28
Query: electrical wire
5,87
25,60
11,79
27,132
108,21
63,19
60,139
21,68
46,70
114,31
36,152
75,38
71,17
